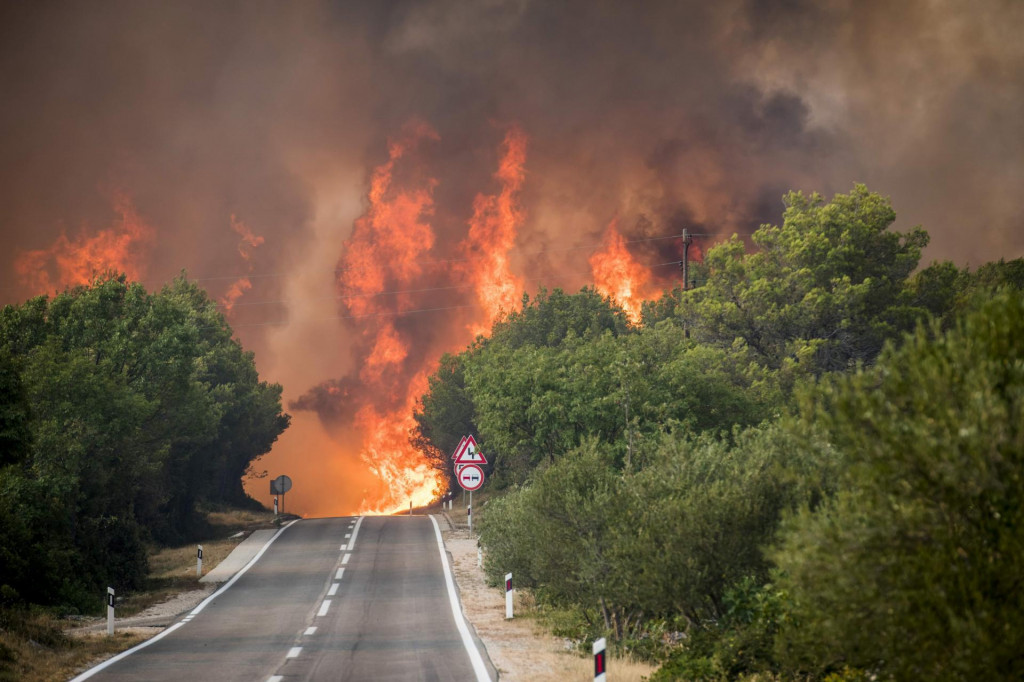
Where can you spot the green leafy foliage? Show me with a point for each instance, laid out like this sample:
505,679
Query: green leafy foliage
666,540
824,290
914,571
650,469
121,410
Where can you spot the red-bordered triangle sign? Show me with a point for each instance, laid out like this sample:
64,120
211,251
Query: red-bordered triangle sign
462,444
467,453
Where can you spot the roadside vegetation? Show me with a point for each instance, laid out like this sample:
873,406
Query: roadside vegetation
126,416
810,466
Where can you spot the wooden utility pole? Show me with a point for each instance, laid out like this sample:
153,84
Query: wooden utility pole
687,239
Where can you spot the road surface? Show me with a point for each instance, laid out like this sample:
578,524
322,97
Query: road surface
330,599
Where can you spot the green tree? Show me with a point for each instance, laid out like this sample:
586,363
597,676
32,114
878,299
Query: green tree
15,431
138,406
914,571
444,415
552,316
824,290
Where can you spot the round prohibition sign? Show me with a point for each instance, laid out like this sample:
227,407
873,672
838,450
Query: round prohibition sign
471,477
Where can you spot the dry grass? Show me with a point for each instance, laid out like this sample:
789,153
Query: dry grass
173,569
38,651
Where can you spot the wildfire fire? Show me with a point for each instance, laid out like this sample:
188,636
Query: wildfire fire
618,275
73,261
245,246
492,234
387,265
386,250
387,273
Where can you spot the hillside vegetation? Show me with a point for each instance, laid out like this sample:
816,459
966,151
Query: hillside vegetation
807,467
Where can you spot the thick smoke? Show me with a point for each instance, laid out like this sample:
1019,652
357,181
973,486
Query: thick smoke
656,115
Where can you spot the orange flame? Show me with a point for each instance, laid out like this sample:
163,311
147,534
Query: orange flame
234,292
391,236
386,248
618,275
492,233
74,261
245,247
249,240
392,459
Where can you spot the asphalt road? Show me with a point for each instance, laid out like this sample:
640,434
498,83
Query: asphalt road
330,599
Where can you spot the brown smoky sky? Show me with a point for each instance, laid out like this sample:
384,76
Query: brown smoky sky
658,115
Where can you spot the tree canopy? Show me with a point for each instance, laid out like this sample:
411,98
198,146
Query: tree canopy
122,410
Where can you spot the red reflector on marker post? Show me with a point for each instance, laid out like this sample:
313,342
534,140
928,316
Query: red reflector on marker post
599,652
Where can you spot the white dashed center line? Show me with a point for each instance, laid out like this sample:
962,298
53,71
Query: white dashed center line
345,558
355,534
341,572
333,591
294,652
310,630
323,607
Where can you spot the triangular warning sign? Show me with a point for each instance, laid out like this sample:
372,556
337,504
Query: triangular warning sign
470,454
465,444
461,446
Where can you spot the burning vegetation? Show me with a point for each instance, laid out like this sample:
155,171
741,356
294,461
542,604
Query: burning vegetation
390,275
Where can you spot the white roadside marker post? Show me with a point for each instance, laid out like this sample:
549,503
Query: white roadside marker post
199,562
479,557
508,596
110,611
599,668
410,507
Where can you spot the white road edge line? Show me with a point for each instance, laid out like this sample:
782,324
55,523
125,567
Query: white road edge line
334,589
324,605
339,574
460,622
345,558
124,654
355,532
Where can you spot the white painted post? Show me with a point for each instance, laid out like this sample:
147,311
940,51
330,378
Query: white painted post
199,562
275,505
110,610
508,596
469,511
599,667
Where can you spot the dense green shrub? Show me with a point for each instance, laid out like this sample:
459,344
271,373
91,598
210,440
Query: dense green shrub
916,569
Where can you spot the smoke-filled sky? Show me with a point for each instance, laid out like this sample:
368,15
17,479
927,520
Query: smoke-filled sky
242,141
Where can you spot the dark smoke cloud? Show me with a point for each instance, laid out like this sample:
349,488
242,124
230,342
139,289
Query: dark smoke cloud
658,114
